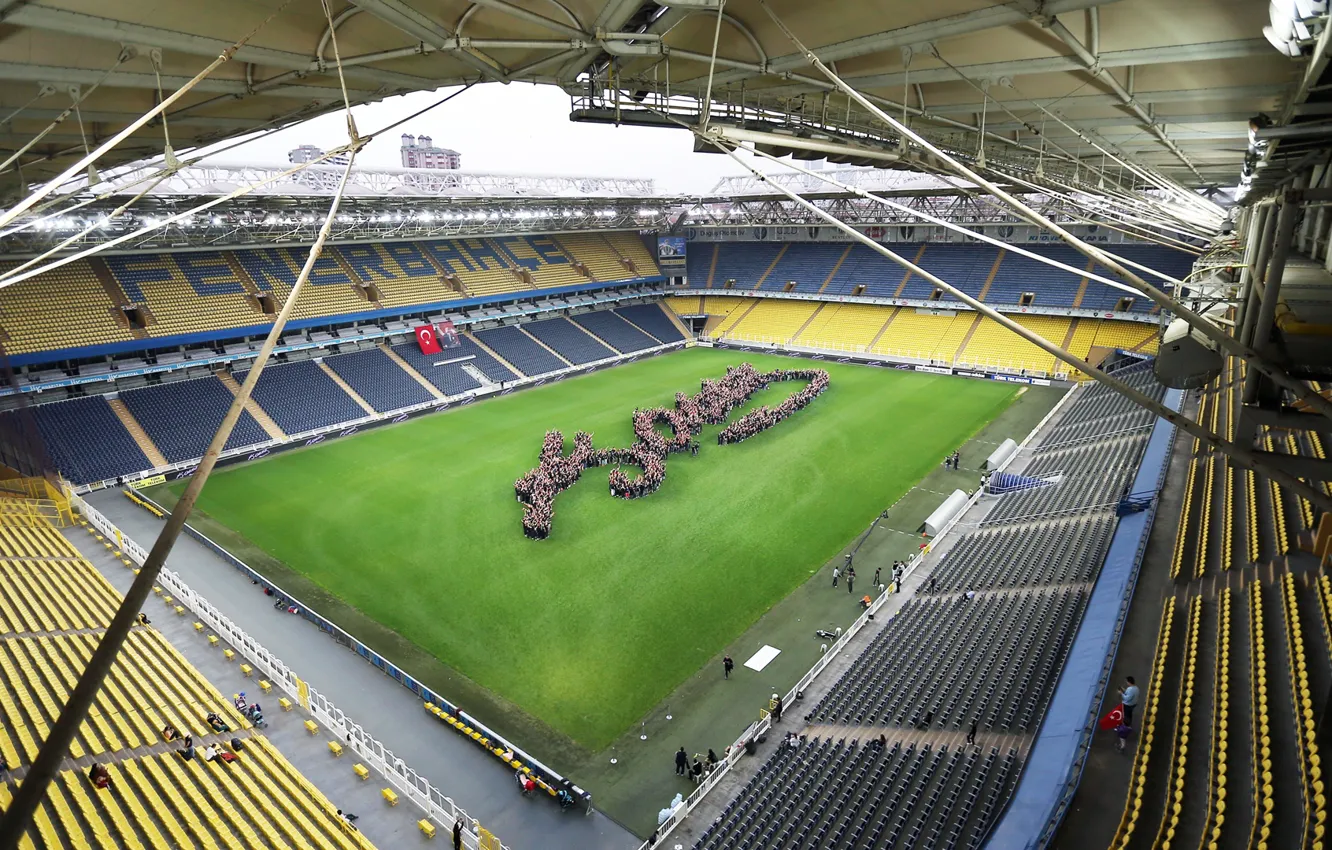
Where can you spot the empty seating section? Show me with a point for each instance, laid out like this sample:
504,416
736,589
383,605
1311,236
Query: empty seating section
198,291
630,246
575,345
400,272
1051,286
85,314
482,360
1004,655
301,397
1060,551
684,305
596,254
381,382
916,334
53,607
185,293
614,331
547,262
995,345
330,289
966,267
866,272
181,418
723,311
773,320
745,263
652,318
86,439
863,795
1133,336
448,378
806,266
520,350
858,270
838,325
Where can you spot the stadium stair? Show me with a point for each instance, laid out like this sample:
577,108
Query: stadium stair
636,326
712,265
346,388
487,349
146,445
906,278
812,316
883,330
550,350
260,415
1082,285
950,348
406,367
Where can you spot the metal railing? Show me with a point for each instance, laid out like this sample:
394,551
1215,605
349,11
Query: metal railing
438,807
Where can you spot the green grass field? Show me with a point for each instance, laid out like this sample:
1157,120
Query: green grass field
416,526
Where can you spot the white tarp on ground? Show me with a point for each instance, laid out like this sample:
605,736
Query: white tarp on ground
760,659
999,456
950,508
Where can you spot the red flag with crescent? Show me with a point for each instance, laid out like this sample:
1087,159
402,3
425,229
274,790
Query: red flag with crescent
1113,719
427,339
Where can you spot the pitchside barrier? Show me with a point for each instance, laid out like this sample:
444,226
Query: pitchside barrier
409,784
754,730
185,468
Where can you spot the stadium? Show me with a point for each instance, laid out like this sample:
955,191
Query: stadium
945,475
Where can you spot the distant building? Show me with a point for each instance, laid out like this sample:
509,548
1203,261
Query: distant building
420,152
308,153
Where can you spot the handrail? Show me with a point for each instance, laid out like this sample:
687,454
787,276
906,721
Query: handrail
416,788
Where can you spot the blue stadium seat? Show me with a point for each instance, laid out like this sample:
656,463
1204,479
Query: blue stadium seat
615,331
572,344
482,360
181,418
449,378
650,318
377,379
301,397
515,346
86,440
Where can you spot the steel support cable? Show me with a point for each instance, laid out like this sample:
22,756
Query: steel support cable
44,90
124,56
14,276
1300,389
1213,440
23,206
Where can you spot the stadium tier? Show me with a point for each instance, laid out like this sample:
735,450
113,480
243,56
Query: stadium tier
125,299
97,438
54,606
960,337
881,760
993,275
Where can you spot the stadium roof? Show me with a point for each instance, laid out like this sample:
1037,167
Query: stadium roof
1169,83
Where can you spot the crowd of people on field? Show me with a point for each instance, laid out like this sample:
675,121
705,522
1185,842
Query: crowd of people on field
714,401
765,417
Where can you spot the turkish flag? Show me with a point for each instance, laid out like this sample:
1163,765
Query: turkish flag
1113,719
426,338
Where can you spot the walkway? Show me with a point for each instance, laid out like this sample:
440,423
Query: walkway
476,780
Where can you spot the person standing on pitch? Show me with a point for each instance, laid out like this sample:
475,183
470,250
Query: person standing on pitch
836,573
877,570
681,763
851,580
776,708
727,666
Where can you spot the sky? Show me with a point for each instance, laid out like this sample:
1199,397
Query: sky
518,129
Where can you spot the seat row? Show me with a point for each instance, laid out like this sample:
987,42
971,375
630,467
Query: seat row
864,795
945,662
1069,549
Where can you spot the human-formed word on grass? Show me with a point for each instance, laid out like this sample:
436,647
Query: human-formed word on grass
556,471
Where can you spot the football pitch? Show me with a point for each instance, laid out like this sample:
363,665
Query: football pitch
416,527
